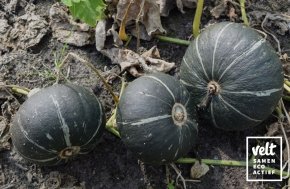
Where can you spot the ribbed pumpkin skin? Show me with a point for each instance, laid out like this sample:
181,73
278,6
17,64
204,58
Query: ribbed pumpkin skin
144,119
55,118
244,65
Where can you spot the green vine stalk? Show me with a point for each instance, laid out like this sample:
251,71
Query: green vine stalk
173,40
243,11
197,18
225,163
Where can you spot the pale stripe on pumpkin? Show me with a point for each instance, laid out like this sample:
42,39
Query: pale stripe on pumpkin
151,119
148,95
147,120
255,93
194,73
190,85
31,141
39,160
48,136
215,47
238,111
100,123
253,47
161,82
62,122
199,57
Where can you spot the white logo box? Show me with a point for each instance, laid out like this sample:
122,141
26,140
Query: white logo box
247,158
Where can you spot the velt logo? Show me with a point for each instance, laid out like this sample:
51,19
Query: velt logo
262,151
264,154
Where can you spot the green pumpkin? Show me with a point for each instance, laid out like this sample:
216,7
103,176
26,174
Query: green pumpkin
155,118
57,123
234,74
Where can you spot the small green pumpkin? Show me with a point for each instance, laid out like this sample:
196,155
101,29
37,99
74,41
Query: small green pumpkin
234,74
57,123
155,118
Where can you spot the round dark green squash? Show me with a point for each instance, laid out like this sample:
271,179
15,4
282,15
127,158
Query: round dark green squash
57,123
155,117
233,74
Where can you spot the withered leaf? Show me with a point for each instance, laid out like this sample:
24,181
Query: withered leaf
198,170
136,64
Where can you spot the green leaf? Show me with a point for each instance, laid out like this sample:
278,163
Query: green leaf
67,2
170,185
88,11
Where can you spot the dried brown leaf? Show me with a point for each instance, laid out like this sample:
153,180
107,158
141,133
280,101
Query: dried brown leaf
273,129
4,134
22,32
100,34
149,15
232,14
136,64
220,9
198,170
167,5
66,30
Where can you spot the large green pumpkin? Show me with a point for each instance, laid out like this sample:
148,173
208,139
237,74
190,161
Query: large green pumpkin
155,118
233,74
57,123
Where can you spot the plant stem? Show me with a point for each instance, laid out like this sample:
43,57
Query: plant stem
197,17
18,89
243,11
213,162
90,65
279,112
225,163
287,88
287,98
173,40
113,131
287,82
110,125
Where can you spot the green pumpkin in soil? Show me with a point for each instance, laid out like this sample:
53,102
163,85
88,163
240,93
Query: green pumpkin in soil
233,74
155,118
57,123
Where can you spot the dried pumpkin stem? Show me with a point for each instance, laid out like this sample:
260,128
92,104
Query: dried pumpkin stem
197,18
213,88
243,11
225,163
92,67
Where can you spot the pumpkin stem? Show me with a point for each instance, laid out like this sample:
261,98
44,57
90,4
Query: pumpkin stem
213,88
179,114
69,152
204,104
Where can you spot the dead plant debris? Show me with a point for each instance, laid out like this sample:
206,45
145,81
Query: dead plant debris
136,64
68,31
